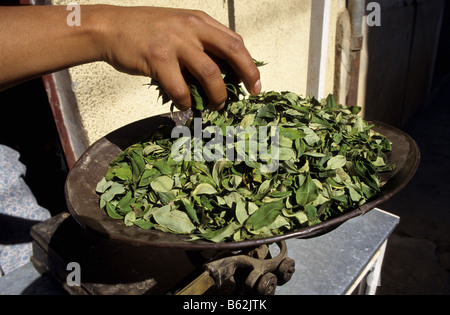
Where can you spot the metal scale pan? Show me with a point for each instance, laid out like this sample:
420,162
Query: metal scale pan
83,201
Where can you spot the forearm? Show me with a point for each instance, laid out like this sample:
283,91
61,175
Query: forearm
160,43
37,40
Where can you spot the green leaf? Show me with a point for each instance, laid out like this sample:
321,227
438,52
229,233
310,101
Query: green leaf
190,210
144,224
336,162
217,171
268,111
328,157
112,212
241,212
162,184
221,234
337,138
232,198
292,97
153,148
248,121
331,102
166,197
293,112
265,215
204,189
126,200
300,216
307,192
311,212
124,173
163,167
263,189
197,98
174,220
235,181
103,185
130,218
291,133
311,137
354,195
147,177
286,154
137,165
115,189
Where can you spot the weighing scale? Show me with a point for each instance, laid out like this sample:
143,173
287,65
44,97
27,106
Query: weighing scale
117,259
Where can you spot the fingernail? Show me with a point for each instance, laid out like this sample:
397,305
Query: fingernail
257,87
214,108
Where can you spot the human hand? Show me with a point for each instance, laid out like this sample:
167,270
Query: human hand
163,43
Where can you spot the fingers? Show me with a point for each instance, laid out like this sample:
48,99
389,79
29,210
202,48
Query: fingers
193,37
176,88
166,70
209,75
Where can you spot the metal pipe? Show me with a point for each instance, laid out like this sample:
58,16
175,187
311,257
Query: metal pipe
231,15
356,9
318,45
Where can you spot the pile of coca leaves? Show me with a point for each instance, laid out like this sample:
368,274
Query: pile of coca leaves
328,163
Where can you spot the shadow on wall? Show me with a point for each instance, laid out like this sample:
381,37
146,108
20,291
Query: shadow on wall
401,59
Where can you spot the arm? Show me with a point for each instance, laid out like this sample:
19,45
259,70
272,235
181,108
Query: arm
157,42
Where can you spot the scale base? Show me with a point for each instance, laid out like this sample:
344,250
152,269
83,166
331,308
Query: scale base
105,266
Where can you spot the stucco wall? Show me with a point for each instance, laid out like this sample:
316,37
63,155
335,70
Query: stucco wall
278,33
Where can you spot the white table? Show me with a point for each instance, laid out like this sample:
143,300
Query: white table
344,261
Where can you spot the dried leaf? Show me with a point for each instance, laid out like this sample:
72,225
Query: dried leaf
317,159
162,184
174,220
307,193
204,189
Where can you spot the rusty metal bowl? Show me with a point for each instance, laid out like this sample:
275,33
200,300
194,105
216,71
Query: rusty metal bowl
83,201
